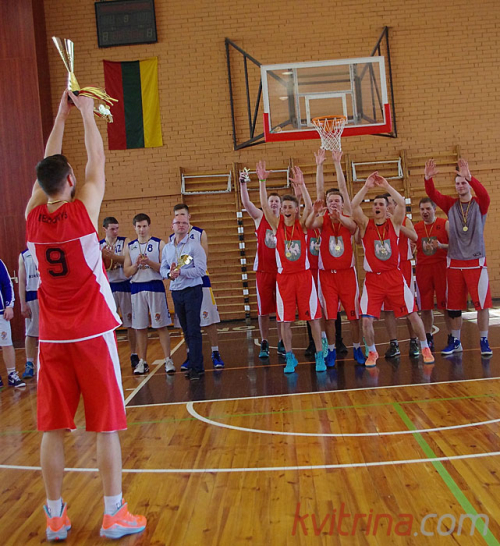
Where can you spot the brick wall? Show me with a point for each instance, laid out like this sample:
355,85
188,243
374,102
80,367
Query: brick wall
444,57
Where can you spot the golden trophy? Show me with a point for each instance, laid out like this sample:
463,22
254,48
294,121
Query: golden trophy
185,259
67,52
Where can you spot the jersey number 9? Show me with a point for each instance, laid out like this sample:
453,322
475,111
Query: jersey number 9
57,258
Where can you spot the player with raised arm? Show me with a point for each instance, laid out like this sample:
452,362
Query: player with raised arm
142,264
337,274
294,283
112,248
264,265
384,281
467,271
77,352
432,247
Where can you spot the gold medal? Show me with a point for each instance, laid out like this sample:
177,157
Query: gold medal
288,254
465,228
337,248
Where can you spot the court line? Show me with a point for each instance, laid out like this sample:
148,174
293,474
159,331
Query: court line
269,468
458,382
445,476
149,376
196,415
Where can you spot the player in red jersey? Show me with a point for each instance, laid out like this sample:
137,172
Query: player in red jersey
77,351
384,281
294,282
432,246
264,265
467,271
407,237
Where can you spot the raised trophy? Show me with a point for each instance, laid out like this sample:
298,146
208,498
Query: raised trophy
185,259
67,51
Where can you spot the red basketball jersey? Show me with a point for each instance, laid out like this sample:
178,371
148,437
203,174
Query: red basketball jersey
291,248
404,244
380,244
313,243
75,298
265,257
336,246
426,253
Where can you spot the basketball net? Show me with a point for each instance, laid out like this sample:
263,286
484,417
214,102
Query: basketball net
330,130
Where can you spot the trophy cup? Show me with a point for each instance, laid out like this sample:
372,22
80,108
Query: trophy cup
185,259
67,53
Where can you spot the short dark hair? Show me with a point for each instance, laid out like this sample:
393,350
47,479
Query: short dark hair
383,196
51,173
273,194
109,220
289,197
140,218
181,206
334,191
427,200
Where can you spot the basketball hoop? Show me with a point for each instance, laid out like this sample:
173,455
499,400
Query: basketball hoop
330,130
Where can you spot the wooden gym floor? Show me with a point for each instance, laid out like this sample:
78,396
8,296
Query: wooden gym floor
251,456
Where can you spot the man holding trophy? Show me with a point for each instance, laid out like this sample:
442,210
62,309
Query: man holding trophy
184,263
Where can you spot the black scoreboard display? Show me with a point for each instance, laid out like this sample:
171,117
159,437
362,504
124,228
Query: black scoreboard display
125,22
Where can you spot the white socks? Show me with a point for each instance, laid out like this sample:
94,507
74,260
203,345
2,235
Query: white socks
54,507
112,504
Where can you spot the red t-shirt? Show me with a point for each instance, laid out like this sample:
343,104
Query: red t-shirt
381,247
426,253
313,242
265,257
336,246
291,248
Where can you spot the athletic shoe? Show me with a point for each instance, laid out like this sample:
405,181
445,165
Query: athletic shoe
359,357
330,359
14,380
281,348
29,371
393,350
341,348
414,348
320,361
485,347
264,349
217,360
454,346
57,526
311,350
193,375
371,361
324,344
134,360
427,356
430,341
169,365
141,368
185,365
122,523
291,362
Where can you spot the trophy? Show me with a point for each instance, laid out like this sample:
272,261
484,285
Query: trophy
66,50
245,176
185,259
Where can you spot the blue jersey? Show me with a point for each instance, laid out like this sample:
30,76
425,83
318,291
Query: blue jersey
6,289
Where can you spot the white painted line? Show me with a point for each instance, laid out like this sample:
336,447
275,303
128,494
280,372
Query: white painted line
159,363
196,415
318,392
267,468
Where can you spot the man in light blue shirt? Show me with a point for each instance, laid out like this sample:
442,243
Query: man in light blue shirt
186,287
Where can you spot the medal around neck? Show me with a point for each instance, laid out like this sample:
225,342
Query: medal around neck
185,259
66,50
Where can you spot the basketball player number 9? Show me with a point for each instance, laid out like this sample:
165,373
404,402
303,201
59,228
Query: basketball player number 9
56,257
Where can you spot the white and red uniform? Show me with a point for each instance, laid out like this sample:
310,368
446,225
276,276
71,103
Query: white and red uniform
431,264
294,283
78,317
337,276
384,281
265,268
313,243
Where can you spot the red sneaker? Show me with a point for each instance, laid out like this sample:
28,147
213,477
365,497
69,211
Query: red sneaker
57,527
427,356
371,361
122,523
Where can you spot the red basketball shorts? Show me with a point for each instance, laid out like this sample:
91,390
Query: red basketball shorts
296,290
431,279
339,286
266,292
406,269
389,287
90,368
459,282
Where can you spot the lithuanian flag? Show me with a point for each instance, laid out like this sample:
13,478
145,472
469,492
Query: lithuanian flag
136,115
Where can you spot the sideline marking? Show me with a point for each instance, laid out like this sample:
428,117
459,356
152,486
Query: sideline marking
159,363
196,415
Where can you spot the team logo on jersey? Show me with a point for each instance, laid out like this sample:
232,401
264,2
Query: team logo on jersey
383,250
293,250
314,244
429,245
336,246
270,239
205,314
157,317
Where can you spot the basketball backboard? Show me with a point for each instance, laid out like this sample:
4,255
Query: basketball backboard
295,93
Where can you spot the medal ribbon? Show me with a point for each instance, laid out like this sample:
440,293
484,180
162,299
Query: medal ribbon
464,215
